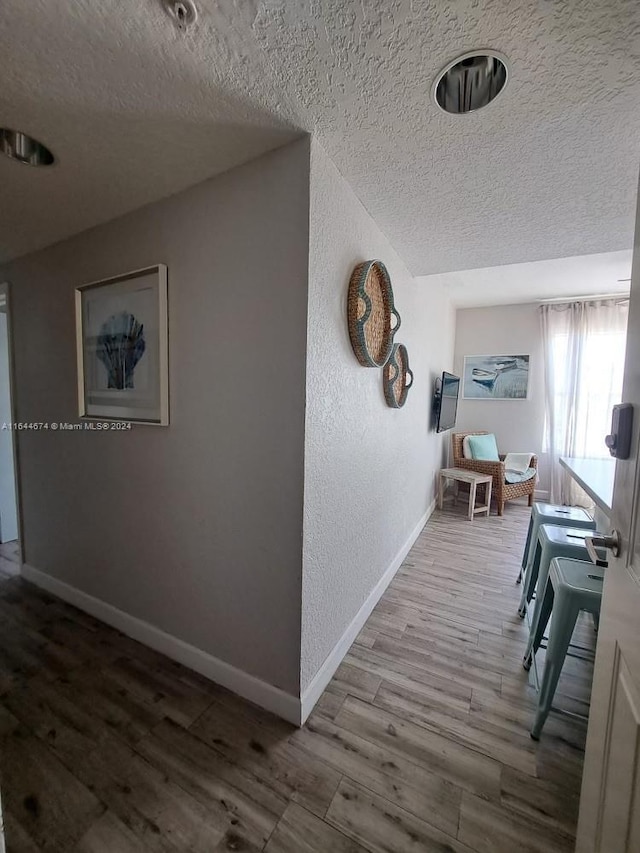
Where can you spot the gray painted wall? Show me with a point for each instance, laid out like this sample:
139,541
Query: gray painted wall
505,329
195,528
369,470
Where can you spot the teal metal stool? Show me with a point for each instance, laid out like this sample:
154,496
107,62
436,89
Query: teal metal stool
562,516
553,541
572,586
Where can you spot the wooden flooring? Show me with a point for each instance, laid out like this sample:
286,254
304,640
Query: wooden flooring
9,557
420,742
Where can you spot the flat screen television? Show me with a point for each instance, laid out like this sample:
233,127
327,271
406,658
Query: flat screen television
448,401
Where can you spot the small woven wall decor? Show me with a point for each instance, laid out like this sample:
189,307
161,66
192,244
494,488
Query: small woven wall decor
369,314
394,377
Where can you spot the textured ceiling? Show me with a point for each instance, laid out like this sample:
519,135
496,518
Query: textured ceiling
132,109
135,111
585,275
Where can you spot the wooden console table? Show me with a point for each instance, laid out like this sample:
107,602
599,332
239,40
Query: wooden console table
474,479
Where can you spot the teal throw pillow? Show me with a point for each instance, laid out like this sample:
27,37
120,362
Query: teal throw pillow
484,447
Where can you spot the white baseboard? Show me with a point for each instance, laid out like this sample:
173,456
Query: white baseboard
248,686
265,695
324,675
541,495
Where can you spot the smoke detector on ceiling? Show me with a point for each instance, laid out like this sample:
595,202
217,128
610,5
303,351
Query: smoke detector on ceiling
183,12
471,81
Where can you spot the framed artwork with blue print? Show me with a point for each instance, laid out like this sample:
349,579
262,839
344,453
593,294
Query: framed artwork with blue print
122,347
495,377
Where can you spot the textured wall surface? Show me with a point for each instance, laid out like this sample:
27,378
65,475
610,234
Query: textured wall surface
504,330
135,111
369,470
195,528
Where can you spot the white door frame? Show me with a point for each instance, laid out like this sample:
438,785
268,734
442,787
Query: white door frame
5,291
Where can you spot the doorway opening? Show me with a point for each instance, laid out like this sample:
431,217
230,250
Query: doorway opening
10,550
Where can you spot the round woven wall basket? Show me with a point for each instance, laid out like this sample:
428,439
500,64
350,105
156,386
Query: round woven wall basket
397,377
370,310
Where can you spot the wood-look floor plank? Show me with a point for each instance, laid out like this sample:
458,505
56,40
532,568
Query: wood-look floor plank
366,637
52,806
515,714
299,831
464,612
8,723
40,654
540,801
448,667
560,762
439,627
424,608
391,668
266,752
455,653
154,807
176,699
90,646
66,729
110,835
466,584
124,713
513,749
383,826
245,805
18,840
419,743
400,781
491,828
409,698
28,604
10,550
448,758
510,647
355,681
329,704
390,625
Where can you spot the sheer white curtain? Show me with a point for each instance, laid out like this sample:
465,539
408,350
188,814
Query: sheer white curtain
584,346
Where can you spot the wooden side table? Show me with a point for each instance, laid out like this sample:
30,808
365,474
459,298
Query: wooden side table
474,479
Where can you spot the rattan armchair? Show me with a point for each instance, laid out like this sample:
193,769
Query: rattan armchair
501,491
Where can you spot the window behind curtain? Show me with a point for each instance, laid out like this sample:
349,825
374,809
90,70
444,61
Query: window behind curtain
584,363
599,387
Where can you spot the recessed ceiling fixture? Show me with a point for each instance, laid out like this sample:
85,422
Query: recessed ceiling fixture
25,149
183,12
471,81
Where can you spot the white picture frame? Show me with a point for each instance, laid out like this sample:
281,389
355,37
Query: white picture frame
122,345
496,377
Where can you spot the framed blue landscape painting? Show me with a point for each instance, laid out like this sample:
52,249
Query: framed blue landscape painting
495,377
122,347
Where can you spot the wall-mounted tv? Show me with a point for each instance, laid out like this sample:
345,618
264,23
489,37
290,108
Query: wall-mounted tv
447,404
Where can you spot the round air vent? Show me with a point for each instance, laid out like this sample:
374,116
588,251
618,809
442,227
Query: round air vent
25,149
471,81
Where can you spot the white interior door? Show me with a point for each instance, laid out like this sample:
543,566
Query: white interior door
610,801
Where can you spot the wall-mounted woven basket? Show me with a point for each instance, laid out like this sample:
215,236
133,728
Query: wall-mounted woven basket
370,310
394,377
